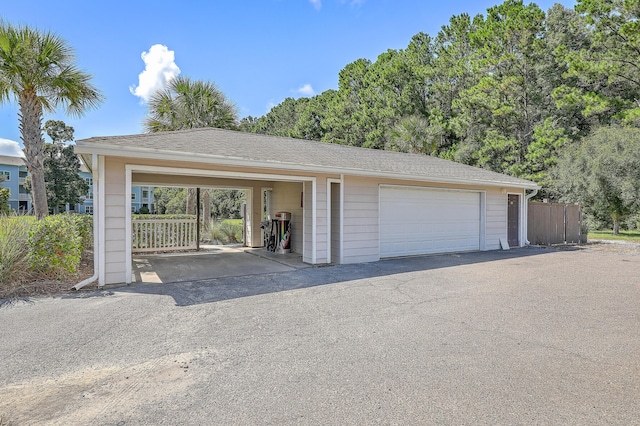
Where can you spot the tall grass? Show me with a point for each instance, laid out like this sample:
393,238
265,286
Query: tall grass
14,248
228,231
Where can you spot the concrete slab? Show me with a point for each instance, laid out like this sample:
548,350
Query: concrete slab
210,263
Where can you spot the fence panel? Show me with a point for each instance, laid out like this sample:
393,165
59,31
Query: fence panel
572,223
163,235
551,223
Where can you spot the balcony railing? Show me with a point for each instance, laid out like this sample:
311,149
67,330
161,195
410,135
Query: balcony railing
24,197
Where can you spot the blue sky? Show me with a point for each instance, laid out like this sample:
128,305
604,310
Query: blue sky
257,52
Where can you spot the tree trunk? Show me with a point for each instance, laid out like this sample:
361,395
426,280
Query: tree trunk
191,201
31,133
206,209
616,227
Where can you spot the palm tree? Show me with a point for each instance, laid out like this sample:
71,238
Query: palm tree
190,104
38,70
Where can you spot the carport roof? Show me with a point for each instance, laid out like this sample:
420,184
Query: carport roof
232,148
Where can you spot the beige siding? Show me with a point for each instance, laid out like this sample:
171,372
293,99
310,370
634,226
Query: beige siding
360,211
496,226
321,220
360,240
115,225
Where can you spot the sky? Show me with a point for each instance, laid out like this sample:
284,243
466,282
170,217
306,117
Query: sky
257,52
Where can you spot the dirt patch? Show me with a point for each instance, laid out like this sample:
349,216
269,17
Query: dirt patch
93,396
621,247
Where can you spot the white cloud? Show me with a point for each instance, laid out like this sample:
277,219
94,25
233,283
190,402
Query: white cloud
159,69
306,90
317,4
10,148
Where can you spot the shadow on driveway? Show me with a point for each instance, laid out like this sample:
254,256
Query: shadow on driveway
225,288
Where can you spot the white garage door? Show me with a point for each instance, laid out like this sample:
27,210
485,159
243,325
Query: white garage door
421,221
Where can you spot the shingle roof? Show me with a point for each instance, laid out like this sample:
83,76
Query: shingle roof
11,160
278,152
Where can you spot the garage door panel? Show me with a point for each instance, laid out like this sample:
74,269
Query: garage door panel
424,220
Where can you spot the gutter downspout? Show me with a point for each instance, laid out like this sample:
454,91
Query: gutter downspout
526,210
96,243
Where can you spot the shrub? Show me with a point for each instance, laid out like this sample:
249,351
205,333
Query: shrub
84,227
14,237
55,245
226,232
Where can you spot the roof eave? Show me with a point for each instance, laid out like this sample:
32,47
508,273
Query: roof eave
155,154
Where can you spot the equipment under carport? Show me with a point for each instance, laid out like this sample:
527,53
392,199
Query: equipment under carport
277,233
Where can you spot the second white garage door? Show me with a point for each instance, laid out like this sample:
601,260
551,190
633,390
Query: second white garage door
424,220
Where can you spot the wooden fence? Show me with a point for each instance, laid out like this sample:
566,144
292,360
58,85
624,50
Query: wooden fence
163,235
551,223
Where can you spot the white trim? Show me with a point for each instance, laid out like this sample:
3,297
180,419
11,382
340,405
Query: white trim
127,227
314,222
131,168
341,219
226,161
100,200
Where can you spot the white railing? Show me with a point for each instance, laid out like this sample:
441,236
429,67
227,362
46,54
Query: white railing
163,235
23,197
22,180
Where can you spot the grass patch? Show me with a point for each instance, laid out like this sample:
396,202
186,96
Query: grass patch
631,236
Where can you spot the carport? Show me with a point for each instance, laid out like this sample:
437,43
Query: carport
286,193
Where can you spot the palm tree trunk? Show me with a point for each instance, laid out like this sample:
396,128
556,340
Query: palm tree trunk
191,201
206,209
31,133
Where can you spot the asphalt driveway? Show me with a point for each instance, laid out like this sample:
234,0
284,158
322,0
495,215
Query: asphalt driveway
528,336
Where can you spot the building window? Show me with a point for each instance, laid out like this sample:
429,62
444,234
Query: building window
88,209
133,195
145,193
89,195
5,174
89,181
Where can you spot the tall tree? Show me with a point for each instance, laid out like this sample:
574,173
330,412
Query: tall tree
62,167
38,70
611,64
190,104
603,174
505,103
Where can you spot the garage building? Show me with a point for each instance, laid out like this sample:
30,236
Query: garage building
348,204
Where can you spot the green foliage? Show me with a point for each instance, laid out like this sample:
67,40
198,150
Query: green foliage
83,224
189,104
5,194
603,174
14,249
228,231
144,210
55,245
61,174
38,70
